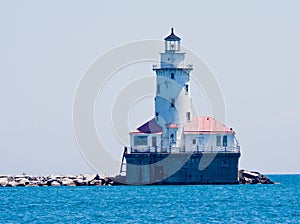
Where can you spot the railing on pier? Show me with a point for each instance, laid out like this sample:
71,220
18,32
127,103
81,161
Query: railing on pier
197,149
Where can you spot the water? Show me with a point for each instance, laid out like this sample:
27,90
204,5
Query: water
278,203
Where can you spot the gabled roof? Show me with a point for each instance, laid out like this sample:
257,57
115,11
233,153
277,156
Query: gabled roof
206,125
149,127
172,36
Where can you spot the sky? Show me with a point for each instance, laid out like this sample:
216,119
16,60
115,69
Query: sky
252,47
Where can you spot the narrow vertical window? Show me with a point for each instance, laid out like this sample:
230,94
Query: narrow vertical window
172,75
186,88
188,116
154,141
225,140
218,140
158,89
156,115
194,141
172,102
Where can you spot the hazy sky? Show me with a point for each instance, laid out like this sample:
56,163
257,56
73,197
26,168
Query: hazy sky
252,47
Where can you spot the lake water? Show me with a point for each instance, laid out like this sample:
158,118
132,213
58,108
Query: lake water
279,203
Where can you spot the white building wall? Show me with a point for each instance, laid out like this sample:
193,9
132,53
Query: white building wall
207,141
172,59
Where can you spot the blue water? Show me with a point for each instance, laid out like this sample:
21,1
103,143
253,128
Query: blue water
278,203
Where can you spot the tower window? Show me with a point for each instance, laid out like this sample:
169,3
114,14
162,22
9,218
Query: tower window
186,88
172,102
194,141
158,89
156,116
172,75
188,116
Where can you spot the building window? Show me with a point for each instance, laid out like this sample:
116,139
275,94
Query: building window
140,140
218,140
158,89
194,141
156,115
186,88
154,141
172,75
225,140
172,102
188,116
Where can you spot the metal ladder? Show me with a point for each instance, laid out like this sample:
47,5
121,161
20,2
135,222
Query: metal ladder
123,163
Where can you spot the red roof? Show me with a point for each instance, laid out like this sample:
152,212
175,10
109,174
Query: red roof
198,125
204,124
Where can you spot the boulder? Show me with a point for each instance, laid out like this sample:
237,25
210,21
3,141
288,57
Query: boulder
12,184
96,183
10,178
55,183
3,181
80,182
253,177
72,176
68,182
50,181
22,181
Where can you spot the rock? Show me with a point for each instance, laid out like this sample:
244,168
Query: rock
80,182
22,181
72,177
12,184
80,177
96,183
253,177
3,181
55,183
50,181
10,178
68,182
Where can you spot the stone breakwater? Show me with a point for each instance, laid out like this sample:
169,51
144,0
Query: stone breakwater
54,180
245,177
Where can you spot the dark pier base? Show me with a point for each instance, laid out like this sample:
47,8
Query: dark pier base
181,168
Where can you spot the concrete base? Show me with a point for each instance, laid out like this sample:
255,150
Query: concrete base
182,168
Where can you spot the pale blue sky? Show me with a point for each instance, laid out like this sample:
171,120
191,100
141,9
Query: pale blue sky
252,47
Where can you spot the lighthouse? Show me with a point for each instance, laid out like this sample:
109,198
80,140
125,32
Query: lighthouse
176,146
172,100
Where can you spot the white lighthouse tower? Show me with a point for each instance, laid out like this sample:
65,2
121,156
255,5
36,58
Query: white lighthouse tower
172,101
